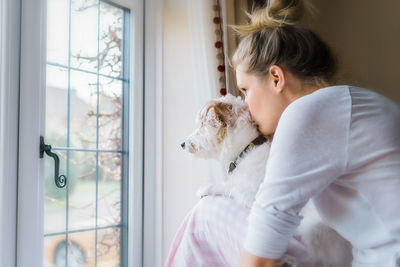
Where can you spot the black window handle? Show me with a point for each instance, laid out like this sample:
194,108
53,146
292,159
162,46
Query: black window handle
61,180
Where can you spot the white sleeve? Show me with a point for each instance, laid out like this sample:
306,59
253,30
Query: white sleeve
308,153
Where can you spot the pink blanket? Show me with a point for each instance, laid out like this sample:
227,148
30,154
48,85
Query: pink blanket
212,234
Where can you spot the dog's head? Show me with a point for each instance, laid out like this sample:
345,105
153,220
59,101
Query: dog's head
218,119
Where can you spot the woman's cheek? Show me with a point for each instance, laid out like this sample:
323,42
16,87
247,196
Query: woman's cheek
251,108
250,102
255,116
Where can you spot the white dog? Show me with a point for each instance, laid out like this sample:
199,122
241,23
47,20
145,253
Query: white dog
226,132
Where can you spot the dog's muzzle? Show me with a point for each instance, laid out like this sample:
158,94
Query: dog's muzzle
183,145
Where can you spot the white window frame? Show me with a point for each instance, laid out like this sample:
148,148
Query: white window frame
9,94
146,147
153,132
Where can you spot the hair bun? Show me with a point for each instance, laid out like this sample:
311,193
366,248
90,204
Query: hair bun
277,13
285,12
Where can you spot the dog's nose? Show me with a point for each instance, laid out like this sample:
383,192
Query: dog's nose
183,145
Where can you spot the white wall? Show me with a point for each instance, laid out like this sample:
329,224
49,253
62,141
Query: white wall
182,174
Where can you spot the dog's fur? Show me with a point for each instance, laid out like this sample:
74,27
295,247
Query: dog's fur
224,129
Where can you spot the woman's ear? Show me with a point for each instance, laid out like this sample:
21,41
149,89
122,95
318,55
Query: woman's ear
277,77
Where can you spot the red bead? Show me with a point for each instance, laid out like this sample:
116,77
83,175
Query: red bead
218,44
217,20
222,91
221,68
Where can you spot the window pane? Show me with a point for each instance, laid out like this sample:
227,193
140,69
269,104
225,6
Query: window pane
108,247
81,249
56,106
54,197
83,110
84,33
111,23
109,195
57,33
52,250
82,190
110,114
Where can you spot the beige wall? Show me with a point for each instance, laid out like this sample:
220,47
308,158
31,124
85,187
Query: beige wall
366,41
365,36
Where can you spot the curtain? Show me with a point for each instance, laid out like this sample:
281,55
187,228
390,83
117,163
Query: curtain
212,44
210,47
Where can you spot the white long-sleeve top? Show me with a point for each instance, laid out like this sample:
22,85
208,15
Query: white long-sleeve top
340,147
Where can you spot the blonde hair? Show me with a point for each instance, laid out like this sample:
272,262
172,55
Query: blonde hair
273,37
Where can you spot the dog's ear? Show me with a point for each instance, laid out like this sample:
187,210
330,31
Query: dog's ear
224,113
216,118
213,117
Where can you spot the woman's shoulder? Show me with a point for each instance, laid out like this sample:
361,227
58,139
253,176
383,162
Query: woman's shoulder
338,107
324,114
328,102
363,98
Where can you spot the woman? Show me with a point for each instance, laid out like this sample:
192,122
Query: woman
338,146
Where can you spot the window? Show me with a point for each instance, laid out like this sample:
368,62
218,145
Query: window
87,106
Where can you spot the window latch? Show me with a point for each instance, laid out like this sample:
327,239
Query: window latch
61,180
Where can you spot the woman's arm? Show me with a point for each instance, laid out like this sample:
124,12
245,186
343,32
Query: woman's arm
250,260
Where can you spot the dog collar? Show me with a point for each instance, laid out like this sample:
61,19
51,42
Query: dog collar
258,141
